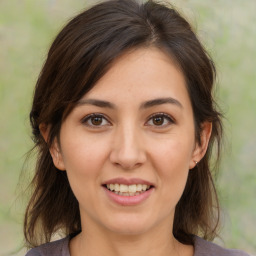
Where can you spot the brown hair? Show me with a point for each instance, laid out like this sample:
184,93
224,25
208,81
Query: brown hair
79,56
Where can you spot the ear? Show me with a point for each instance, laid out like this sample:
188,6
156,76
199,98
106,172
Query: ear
54,148
201,149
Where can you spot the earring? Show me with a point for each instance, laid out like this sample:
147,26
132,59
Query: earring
196,162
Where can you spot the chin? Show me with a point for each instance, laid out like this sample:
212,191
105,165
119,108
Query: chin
129,225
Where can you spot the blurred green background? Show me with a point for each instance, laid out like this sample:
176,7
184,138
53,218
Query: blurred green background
228,30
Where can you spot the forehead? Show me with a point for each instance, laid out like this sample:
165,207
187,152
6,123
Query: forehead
141,74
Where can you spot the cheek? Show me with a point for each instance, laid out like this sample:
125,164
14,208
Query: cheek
83,159
83,153
173,153
171,160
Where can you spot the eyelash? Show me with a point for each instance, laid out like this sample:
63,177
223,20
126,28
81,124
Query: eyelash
88,118
167,117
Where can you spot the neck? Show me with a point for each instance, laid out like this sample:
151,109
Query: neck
159,241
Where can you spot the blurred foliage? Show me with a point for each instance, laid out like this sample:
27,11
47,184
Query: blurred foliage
227,29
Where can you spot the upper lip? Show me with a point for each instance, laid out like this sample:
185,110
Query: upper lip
126,181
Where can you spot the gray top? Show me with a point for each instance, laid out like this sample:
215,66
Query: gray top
202,248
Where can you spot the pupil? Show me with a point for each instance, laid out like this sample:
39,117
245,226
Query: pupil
96,120
158,120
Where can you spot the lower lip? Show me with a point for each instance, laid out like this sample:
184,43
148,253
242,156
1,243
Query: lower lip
128,200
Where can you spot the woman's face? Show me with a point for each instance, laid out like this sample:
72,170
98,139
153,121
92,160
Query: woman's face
129,144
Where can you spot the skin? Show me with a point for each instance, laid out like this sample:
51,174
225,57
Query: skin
127,142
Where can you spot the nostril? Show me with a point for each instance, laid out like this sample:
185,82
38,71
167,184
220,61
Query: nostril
128,156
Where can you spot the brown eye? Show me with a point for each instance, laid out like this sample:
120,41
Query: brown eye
96,120
158,120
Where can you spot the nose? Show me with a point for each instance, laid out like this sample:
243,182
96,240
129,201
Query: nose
128,151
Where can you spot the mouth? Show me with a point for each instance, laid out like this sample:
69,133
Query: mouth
127,190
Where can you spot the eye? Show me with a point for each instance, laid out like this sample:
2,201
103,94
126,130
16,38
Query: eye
95,120
160,119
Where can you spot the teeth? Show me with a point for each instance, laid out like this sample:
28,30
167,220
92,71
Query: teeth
139,187
123,188
127,189
132,188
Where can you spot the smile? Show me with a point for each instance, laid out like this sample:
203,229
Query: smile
128,190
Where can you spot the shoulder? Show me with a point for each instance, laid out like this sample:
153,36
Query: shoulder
59,247
206,248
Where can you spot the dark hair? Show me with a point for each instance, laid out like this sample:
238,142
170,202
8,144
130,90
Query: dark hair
79,56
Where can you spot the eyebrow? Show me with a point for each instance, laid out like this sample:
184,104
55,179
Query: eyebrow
160,101
98,103
146,104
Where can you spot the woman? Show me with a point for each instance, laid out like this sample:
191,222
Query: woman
124,122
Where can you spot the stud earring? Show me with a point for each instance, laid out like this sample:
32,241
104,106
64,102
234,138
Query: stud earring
196,162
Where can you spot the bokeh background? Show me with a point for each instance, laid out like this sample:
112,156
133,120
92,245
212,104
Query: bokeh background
228,31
